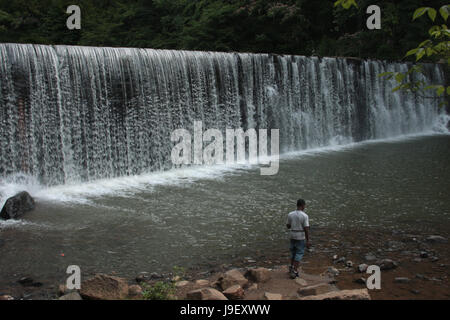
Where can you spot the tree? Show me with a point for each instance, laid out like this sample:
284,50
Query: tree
435,48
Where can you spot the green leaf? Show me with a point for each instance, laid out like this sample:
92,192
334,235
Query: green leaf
419,12
432,13
448,90
420,54
444,12
397,88
440,90
399,77
411,52
384,74
424,43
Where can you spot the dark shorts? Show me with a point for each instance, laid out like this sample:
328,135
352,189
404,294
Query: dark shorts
297,248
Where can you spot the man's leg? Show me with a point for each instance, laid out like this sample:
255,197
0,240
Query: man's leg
300,250
292,251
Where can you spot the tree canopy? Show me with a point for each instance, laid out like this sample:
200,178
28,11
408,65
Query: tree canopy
304,27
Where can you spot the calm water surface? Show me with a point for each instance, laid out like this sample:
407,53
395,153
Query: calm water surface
400,184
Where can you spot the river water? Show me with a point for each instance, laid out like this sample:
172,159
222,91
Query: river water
213,214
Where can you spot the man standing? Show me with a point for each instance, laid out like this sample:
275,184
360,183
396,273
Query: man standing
298,223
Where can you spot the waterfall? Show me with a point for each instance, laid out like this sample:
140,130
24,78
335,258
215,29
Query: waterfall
71,114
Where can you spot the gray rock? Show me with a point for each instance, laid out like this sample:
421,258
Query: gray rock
362,267
402,280
388,264
421,277
17,206
333,271
340,260
349,264
370,257
424,254
434,259
436,239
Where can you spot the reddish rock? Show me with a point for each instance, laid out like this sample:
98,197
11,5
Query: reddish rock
205,294
104,287
71,296
202,283
134,290
358,294
231,278
259,275
234,292
273,296
314,290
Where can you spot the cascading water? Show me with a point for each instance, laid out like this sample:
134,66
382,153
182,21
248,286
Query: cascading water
72,114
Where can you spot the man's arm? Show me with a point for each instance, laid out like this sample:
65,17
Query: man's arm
308,243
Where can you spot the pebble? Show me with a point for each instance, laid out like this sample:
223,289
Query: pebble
362,267
436,239
388,264
370,257
333,271
402,280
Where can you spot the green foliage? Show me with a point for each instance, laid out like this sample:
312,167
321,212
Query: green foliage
163,290
302,27
346,4
437,46
179,272
159,291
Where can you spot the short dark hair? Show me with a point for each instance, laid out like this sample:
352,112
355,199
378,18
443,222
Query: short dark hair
300,203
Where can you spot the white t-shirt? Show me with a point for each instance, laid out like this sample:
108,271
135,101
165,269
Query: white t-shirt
298,221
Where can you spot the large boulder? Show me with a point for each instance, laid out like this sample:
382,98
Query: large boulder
205,294
234,292
314,290
357,294
17,206
231,278
104,287
259,275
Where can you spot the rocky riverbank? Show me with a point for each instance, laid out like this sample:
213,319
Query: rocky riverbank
413,266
